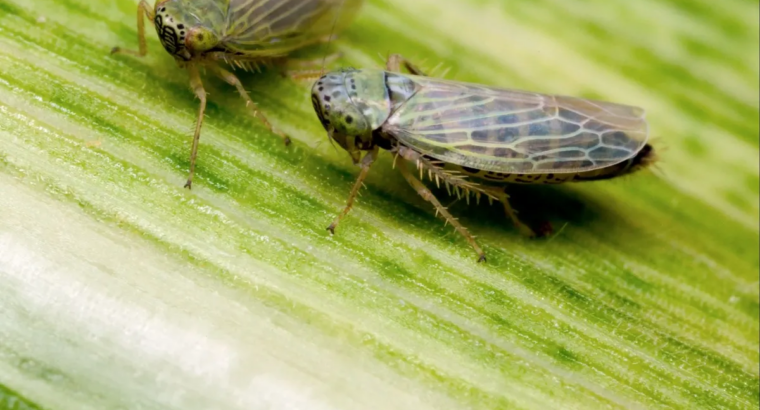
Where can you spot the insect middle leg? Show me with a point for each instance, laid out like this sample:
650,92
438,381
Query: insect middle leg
395,61
425,193
235,82
502,197
143,10
365,164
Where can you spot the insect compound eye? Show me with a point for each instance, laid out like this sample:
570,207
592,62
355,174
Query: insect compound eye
318,109
167,34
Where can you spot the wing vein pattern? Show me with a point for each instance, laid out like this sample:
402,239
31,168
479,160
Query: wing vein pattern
511,131
276,27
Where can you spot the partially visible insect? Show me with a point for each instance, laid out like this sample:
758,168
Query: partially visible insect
456,132
243,33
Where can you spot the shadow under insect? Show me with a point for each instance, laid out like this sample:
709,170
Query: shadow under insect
539,206
544,208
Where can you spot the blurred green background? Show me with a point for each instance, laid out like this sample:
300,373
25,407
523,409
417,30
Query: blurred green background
121,290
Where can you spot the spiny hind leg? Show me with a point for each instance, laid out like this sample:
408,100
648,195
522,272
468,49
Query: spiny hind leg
313,62
365,164
143,10
452,180
425,193
462,185
197,85
304,75
501,195
234,81
311,69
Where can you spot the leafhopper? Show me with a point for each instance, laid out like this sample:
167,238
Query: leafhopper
241,33
475,138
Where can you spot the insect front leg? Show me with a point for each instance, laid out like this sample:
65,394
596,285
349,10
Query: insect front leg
234,81
143,10
365,164
197,85
425,193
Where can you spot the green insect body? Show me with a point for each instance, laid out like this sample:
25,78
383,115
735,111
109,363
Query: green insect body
242,33
474,137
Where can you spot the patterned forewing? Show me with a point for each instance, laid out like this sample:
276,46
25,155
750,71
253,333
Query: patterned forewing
261,28
514,131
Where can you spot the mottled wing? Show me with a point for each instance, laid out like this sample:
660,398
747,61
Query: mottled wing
260,28
511,131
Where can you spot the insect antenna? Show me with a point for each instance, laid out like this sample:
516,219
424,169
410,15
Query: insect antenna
330,132
329,38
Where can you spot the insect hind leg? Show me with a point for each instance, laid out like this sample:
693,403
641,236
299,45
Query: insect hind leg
308,69
458,182
427,195
501,195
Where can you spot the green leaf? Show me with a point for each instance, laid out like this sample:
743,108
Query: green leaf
119,289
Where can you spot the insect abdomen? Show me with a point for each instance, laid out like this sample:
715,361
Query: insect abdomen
646,156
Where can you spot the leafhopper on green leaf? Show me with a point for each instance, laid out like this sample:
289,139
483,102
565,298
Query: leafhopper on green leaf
241,33
475,138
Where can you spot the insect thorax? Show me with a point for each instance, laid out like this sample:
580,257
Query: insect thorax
377,93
